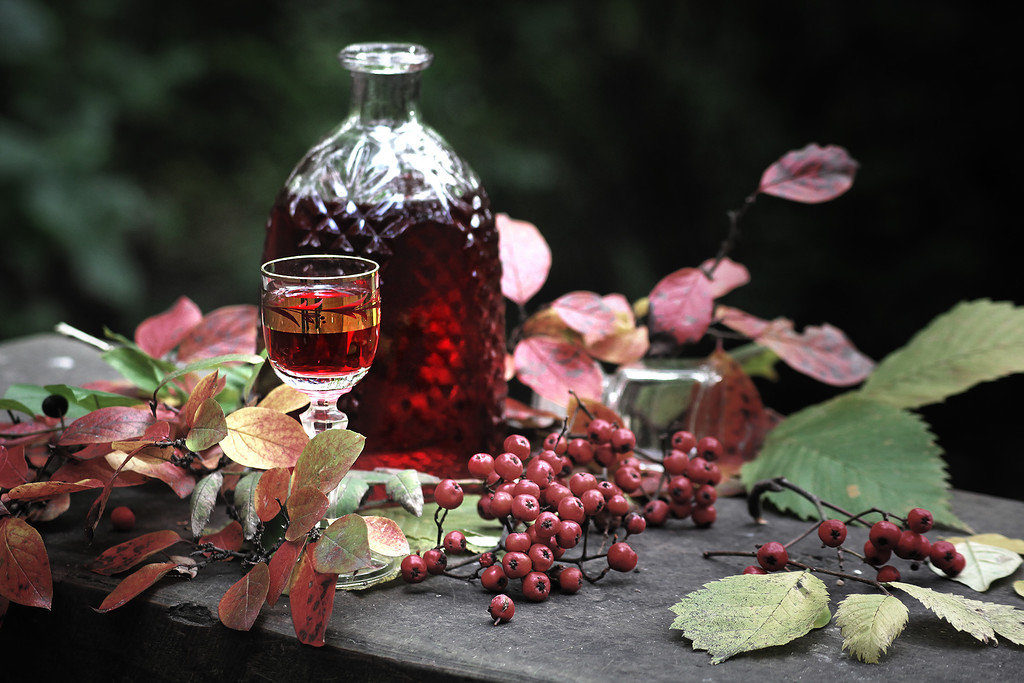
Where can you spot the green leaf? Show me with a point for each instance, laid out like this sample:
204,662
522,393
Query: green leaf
963,613
749,612
343,547
824,618
985,564
757,360
208,363
204,496
90,399
137,367
326,458
1018,587
870,623
11,404
208,427
31,396
422,532
245,502
1006,621
348,495
975,342
856,454
404,488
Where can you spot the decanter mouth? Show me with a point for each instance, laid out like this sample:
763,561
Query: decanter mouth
385,58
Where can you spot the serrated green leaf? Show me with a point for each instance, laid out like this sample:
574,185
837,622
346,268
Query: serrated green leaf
1006,620
963,614
422,532
209,427
985,564
856,454
204,496
245,503
405,489
326,458
348,495
975,342
343,547
870,623
750,612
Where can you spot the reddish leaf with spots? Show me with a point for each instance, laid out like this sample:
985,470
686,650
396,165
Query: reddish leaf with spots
732,411
272,488
312,599
241,605
823,353
306,507
681,305
231,329
727,276
160,333
385,537
98,468
587,313
552,368
810,175
525,258
24,566
229,538
27,432
133,584
117,423
281,566
13,467
44,490
124,556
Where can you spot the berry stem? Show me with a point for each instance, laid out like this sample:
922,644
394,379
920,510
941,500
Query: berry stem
842,575
580,406
733,235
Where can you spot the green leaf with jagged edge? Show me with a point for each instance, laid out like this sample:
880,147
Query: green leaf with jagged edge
245,503
204,496
984,564
976,617
856,454
976,341
481,535
870,623
405,489
750,612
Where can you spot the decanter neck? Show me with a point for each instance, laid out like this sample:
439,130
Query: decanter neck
385,99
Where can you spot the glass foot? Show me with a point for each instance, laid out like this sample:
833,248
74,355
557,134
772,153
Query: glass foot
382,570
323,414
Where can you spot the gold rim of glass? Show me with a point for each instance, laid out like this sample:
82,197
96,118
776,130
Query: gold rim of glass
372,267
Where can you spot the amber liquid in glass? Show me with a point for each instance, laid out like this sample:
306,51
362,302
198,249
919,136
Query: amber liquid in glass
435,393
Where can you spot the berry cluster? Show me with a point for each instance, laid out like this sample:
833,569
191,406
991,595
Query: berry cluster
884,539
692,474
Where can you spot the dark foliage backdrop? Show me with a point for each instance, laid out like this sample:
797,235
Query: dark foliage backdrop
142,143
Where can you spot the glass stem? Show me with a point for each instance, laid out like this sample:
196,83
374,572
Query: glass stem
323,413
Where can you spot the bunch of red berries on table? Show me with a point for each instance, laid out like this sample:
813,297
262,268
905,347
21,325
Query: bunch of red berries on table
885,539
687,486
547,504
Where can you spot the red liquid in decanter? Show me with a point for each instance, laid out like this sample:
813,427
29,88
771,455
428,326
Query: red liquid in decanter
435,392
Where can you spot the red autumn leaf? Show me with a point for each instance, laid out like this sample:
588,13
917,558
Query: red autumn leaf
231,329
117,423
586,313
206,388
179,479
241,604
158,431
160,333
72,471
92,517
25,433
552,368
281,566
312,599
230,537
627,343
124,556
526,417
13,467
823,353
24,566
810,175
133,584
525,258
44,490
727,276
730,410
306,507
271,488
681,305
50,510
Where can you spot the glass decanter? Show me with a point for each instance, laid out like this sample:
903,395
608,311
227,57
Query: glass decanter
385,186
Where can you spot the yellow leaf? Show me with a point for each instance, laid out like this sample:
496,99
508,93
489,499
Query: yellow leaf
998,540
284,399
263,438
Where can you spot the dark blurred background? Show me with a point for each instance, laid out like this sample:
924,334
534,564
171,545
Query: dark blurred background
142,143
